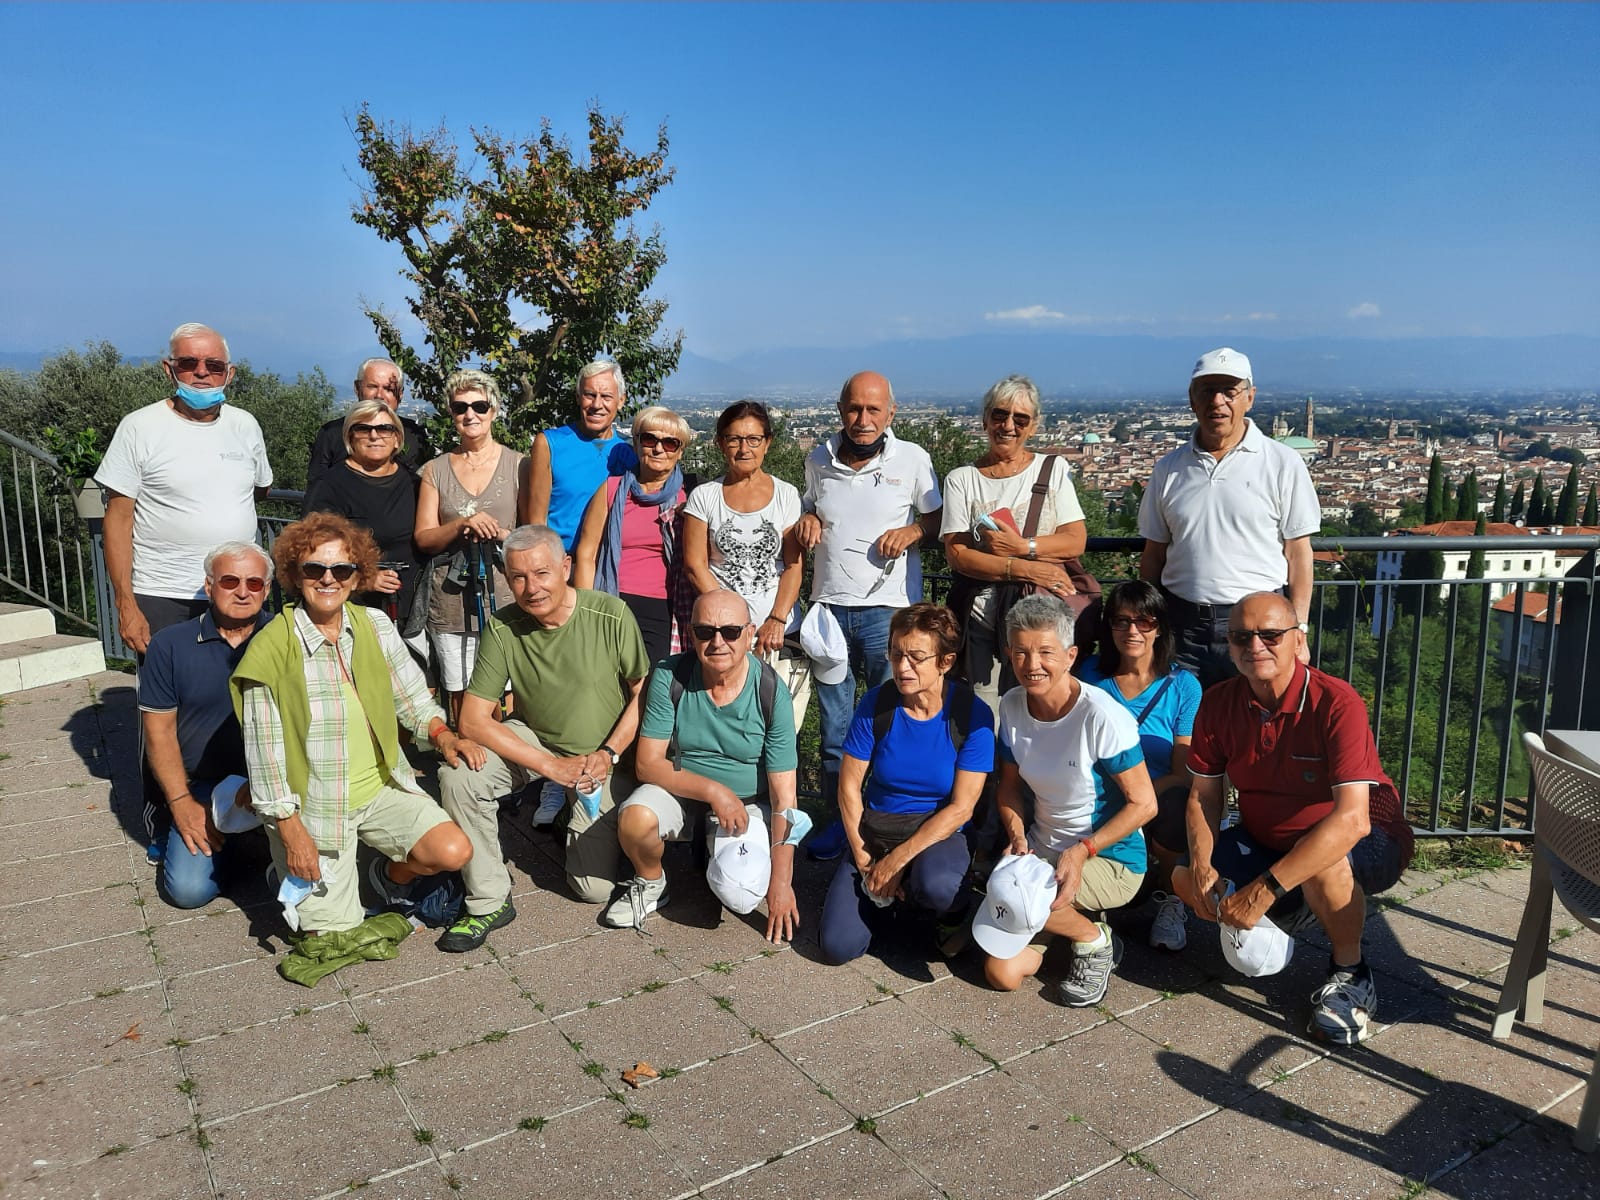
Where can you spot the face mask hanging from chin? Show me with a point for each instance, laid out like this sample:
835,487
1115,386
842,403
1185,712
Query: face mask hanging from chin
200,398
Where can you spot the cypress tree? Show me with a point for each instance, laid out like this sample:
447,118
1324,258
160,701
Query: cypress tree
1475,559
1591,508
1536,502
1518,503
1433,508
1566,509
1447,502
1497,513
1467,498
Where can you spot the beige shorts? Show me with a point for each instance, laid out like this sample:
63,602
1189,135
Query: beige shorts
674,815
1105,885
392,822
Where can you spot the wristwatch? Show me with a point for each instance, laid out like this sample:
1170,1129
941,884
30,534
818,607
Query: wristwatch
1033,548
610,753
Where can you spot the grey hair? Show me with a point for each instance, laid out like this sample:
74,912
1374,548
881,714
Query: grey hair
599,367
361,371
194,329
533,537
371,408
232,549
1007,391
1033,614
658,419
471,380
844,392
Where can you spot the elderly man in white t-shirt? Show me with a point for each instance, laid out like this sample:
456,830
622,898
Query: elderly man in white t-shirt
869,500
181,475
1228,513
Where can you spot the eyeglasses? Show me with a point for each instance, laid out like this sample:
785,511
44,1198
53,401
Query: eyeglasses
649,441
1142,624
1020,420
730,633
230,583
459,407
1269,637
749,441
187,365
1236,392
361,429
910,656
312,572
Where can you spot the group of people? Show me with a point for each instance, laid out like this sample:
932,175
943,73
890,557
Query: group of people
633,643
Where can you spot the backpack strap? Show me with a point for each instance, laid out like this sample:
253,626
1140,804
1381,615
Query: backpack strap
767,687
1154,700
958,698
1041,489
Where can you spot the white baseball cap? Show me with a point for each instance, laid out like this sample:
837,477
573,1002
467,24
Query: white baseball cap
1017,905
741,866
1225,361
1264,950
824,644
226,815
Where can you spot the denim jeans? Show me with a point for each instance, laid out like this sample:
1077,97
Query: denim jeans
866,633
191,880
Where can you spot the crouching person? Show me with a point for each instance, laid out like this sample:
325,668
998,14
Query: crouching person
191,736
321,693
717,736
1063,740
1320,827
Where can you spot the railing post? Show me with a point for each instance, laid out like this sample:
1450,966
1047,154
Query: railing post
1575,699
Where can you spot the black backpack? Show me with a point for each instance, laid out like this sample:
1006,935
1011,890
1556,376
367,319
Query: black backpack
958,699
768,685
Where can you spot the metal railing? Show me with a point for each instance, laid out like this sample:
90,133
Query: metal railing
1451,677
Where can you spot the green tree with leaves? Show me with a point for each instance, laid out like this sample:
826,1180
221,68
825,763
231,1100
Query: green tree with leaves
1497,511
1591,507
1467,498
523,258
1433,509
1519,503
1537,502
1566,508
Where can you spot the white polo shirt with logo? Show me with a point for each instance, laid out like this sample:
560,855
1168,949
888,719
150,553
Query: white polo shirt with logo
856,507
1224,523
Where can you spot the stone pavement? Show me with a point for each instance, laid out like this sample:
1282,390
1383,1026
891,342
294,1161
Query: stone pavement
150,1052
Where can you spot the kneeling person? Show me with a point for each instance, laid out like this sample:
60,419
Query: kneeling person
1063,739
707,741
1321,825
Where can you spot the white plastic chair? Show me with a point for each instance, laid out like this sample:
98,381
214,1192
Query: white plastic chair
1566,865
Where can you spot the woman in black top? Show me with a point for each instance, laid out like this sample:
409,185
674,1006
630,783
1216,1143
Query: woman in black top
373,490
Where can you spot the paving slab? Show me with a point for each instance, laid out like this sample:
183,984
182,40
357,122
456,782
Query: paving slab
61,974
778,991
86,1033
270,1063
603,966
851,1164
234,997
444,1012
64,874
169,1168
677,1026
102,912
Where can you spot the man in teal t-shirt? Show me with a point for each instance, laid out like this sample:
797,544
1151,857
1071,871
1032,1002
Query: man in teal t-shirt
574,663
717,747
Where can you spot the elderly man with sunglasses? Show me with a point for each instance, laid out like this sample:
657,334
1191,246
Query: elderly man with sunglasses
869,500
376,379
714,741
180,476
192,738
1321,825
1227,513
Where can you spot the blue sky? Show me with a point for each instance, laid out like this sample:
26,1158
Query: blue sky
846,173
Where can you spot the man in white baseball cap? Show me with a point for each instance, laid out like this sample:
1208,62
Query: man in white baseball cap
717,737
1228,513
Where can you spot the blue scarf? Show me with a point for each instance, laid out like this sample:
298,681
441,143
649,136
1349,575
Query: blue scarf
629,488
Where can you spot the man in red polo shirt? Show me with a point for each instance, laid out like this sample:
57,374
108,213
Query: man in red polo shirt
1321,825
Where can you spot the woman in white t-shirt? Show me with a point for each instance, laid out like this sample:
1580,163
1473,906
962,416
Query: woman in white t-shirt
1004,478
738,533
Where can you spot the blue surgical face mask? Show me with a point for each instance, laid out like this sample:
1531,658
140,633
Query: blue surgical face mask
200,398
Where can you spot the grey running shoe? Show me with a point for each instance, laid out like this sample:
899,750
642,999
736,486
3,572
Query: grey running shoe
1168,931
638,899
1342,1008
551,797
1090,974
388,893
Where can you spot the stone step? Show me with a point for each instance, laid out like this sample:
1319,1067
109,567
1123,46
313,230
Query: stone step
19,621
37,661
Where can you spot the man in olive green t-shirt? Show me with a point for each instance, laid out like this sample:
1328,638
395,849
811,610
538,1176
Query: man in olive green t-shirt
574,662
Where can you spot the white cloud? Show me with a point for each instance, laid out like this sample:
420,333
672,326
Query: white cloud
1262,316
1364,311
1032,314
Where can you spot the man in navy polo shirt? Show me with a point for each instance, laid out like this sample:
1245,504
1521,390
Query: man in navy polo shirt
1321,825
192,738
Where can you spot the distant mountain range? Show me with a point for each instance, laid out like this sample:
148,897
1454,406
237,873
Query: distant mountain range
1069,364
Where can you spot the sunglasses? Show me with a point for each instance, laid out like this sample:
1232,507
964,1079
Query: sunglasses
459,407
1269,637
649,441
1142,624
999,416
704,633
230,583
360,429
187,365
312,572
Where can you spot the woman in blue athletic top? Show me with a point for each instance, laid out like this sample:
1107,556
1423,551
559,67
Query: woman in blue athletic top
915,761
1135,666
570,461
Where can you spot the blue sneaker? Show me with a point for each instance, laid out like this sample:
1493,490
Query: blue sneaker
155,852
829,844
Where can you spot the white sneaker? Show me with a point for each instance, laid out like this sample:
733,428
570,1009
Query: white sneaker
1168,931
551,797
638,899
1342,1008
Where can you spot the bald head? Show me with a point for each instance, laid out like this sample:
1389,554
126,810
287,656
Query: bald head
720,607
1262,610
866,407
